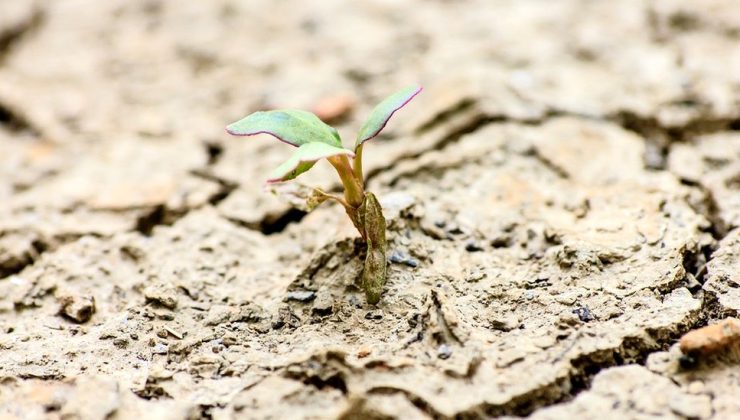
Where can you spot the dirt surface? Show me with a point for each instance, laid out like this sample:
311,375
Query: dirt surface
563,203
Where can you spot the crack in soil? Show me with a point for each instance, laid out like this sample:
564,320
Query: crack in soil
632,349
638,349
16,264
585,366
549,164
446,115
446,332
11,37
271,224
39,246
144,224
708,208
226,187
16,122
160,215
414,399
477,121
658,137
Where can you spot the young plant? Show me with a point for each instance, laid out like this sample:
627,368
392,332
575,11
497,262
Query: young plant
316,140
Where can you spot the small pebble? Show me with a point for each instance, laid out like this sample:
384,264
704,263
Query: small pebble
77,308
120,342
301,295
566,320
696,387
160,349
691,406
539,282
505,323
374,315
545,341
362,353
218,314
165,316
476,274
712,339
323,305
398,257
654,156
285,316
584,314
565,299
455,230
501,241
354,301
444,351
160,294
473,246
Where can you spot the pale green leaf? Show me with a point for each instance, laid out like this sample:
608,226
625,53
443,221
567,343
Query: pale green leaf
383,112
304,158
291,126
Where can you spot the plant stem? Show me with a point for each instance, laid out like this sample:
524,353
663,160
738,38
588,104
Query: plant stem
357,165
330,196
353,189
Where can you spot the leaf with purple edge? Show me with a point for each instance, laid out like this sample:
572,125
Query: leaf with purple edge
291,126
383,112
304,158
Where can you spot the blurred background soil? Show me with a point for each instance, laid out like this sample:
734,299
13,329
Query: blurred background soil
563,203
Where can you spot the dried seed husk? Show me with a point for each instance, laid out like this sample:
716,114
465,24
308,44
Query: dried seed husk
374,274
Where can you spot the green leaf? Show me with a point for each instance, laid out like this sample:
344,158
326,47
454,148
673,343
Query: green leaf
304,158
291,126
383,112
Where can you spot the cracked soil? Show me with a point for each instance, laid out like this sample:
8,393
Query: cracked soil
563,204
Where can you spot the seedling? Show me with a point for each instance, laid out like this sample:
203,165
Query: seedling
316,140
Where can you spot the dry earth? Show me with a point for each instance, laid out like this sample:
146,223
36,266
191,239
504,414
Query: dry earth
563,204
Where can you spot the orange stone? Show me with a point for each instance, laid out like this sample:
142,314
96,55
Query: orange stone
712,338
334,108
